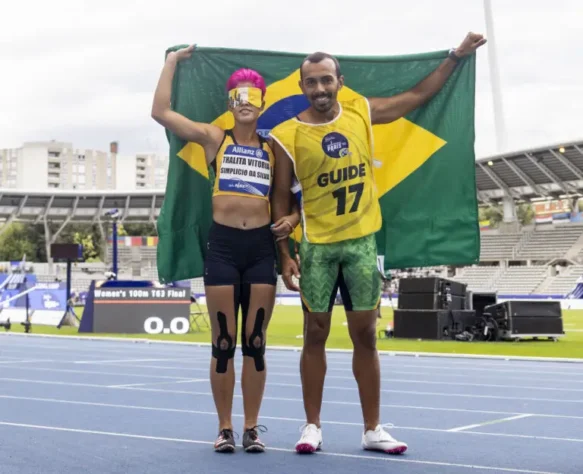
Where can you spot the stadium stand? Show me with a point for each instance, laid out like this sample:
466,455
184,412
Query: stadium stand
563,282
495,246
543,258
479,278
548,242
521,279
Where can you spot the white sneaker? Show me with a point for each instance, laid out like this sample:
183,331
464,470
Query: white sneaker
380,440
311,439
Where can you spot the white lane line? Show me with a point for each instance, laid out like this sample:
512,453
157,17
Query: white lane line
491,422
161,409
109,361
97,372
299,400
340,360
156,383
386,368
507,435
295,420
284,450
54,382
351,377
25,361
287,375
401,407
405,392
459,360
186,365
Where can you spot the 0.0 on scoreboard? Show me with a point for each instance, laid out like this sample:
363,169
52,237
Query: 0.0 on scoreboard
155,325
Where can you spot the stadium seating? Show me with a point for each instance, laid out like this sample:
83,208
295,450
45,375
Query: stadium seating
564,282
521,279
478,278
496,246
548,242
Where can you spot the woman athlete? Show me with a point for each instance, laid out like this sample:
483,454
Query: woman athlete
240,265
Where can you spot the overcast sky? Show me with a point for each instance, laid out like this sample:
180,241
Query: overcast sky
85,71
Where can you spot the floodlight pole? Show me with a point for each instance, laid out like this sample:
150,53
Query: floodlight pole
114,236
495,79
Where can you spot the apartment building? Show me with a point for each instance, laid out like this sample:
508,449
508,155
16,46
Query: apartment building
151,171
58,165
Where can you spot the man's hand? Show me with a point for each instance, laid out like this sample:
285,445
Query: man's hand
289,269
389,109
469,45
284,226
183,53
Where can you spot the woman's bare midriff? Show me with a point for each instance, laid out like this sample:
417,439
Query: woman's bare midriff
241,212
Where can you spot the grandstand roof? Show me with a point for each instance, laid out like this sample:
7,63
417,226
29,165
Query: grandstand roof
79,206
549,172
553,171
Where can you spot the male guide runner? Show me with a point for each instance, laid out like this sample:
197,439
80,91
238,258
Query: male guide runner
328,148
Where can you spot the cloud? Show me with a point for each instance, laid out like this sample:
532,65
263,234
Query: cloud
85,71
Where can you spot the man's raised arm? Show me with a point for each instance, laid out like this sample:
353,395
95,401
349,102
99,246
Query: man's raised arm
389,109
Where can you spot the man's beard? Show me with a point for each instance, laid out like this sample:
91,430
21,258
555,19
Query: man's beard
320,104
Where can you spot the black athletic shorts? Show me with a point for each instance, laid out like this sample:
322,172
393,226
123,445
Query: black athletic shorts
240,256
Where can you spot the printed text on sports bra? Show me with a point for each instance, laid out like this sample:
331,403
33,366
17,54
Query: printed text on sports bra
245,170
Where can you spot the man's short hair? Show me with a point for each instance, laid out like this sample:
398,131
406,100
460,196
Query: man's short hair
318,57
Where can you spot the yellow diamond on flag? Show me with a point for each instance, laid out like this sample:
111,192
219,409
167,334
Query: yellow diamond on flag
193,153
400,147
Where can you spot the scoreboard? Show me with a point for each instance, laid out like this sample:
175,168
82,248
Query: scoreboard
137,310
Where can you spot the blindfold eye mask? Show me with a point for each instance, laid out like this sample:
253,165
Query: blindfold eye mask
245,95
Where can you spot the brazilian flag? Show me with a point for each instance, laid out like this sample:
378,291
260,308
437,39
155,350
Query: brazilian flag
424,163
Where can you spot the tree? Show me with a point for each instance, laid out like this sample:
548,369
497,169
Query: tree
16,243
525,213
140,230
89,252
491,213
121,230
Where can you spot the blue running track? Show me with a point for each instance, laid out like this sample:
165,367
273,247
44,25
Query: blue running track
71,406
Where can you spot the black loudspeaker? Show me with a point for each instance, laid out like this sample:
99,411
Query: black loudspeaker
466,320
478,300
432,324
527,319
430,301
522,309
64,252
422,324
431,293
431,285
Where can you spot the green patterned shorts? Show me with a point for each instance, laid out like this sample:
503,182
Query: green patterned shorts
350,266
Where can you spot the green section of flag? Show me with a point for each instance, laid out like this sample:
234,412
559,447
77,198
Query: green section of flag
429,218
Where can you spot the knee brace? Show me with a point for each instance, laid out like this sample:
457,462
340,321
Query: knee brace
249,348
220,352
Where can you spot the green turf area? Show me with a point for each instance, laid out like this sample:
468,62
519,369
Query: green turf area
286,328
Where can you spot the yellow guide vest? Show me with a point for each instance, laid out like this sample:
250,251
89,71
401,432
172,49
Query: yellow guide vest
243,170
333,167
